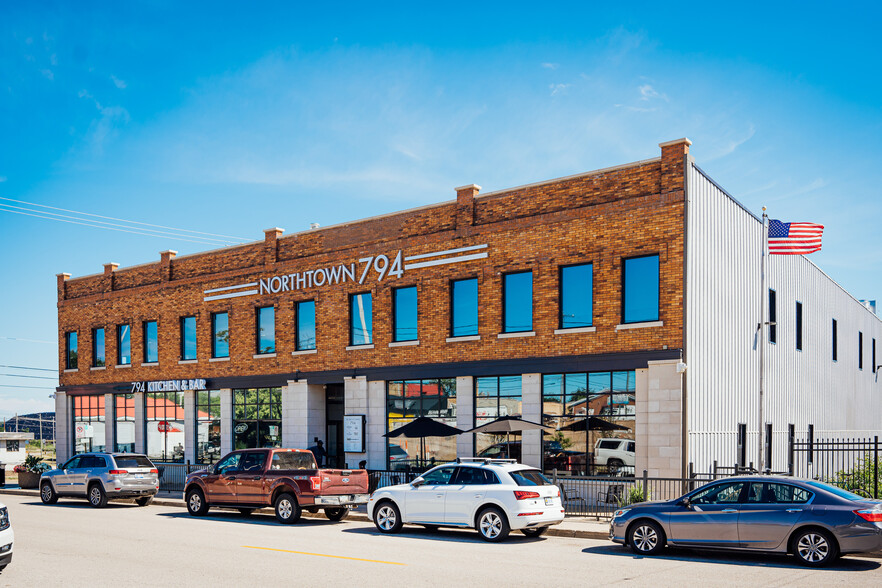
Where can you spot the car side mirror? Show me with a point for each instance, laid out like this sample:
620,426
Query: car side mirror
418,482
686,503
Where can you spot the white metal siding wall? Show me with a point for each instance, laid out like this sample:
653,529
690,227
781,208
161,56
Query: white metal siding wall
723,309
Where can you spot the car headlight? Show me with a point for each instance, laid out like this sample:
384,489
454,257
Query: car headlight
4,518
621,512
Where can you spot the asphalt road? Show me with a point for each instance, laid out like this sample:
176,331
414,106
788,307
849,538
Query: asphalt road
72,544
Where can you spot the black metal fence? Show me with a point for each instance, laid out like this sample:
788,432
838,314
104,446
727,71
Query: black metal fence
173,475
851,464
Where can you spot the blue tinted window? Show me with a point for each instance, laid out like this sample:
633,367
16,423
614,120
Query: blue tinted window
151,342
220,334
518,308
188,338
464,297
266,329
97,347
123,344
306,325
70,351
640,289
404,301
576,284
361,327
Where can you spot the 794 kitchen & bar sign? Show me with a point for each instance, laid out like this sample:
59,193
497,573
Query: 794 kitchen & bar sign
169,385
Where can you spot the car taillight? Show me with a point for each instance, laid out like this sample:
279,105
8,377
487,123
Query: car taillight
869,514
154,471
524,495
316,483
118,472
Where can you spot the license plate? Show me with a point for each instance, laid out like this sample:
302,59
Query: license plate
139,476
549,501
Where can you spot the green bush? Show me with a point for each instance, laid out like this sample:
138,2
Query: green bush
860,479
633,495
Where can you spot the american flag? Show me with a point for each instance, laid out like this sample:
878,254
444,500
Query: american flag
794,238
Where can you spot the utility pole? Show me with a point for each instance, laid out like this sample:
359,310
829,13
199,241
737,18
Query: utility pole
40,414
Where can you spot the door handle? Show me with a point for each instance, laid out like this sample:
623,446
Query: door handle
256,478
439,496
729,510
794,510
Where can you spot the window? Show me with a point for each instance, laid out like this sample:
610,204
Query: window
517,302
860,350
188,338
293,460
88,420
12,445
772,493
640,285
474,477
257,418
70,350
773,317
151,342
220,334
229,464
576,296
835,341
799,326
874,366
305,312
124,421
407,400
253,462
464,308
165,426
726,493
404,314
98,347
123,345
360,319
266,329
208,427
497,397
439,477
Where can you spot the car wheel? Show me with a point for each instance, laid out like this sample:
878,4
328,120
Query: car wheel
814,547
387,517
613,466
646,538
534,532
287,509
47,494
493,525
245,511
97,496
144,500
196,504
337,514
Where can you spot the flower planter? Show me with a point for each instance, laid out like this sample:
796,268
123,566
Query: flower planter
28,480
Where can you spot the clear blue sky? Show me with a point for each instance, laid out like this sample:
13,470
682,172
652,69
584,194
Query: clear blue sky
230,118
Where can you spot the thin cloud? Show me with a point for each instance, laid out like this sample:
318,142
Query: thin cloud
647,92
118,82
815,184
731,146
48,74
558,89
548,65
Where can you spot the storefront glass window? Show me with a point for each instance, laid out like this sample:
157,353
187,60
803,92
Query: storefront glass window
208,413
97,347
404,305
124,409
305,325
165,427
88,421
464,305
266,329
517,302
640,302
220,334
123,345
70,350
497,397
151,342
407,400
188,338
257,417
361,330
576,284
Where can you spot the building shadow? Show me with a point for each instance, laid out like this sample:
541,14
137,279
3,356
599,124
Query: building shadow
252,519
446,534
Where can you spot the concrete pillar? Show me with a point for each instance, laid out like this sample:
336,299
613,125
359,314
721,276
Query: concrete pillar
303,414
355,401
375,427
226,406
189,426
531,409
659,420
62,427
109,422
140,428
465,415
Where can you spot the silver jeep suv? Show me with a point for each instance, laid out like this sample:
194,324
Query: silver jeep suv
99,476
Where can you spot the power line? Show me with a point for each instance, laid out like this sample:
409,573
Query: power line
26,376
27,340
33,387
124,221
21,367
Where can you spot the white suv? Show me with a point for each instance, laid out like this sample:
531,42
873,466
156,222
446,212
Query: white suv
491,496
6,537
614,454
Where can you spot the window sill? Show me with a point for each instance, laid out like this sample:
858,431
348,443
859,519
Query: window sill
405,343
357,347
120,366
263,355
513,335
186,361
465,338
645,325
574,330
97,368
149,364
70,371
214,359
305,352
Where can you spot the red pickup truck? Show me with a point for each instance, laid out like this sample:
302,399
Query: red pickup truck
286,479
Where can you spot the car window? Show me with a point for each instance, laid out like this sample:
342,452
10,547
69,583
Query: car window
293,460
229,463
439,476
835,490
71,464
529,478
253,461
96,462
133,461
492,451
774,493
631,447
609,444
474,476
727,493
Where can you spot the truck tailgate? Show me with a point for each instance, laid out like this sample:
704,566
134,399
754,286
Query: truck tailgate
343,482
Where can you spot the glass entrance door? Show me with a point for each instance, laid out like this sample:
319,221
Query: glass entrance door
334,410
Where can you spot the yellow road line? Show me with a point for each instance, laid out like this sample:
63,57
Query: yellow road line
391,563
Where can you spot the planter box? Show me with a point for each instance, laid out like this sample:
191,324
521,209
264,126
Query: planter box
28,480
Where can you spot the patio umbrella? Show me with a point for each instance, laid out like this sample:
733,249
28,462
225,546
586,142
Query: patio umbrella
509,425
423,427
593,423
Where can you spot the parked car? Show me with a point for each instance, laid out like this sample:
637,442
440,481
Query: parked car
614,454
398,458
286,479
101,476
492,496
814,521
553,455
7,537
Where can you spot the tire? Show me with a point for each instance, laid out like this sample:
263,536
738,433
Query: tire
646,538
614,466
97,496
337,514
196,504
245,511
534,532
287,509
144,501
387,517
48,494
493,525
814,548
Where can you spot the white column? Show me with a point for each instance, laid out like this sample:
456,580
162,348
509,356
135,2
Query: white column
189,426
226,406
355,401
109,422
375,426
140,429
303,414
62,427
662,417
465,415
643,451
531,407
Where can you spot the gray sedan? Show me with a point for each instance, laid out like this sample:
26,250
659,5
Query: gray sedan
814,521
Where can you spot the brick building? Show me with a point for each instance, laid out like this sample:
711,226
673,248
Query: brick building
580,297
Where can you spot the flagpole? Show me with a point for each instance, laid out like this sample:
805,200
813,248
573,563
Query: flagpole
761,340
